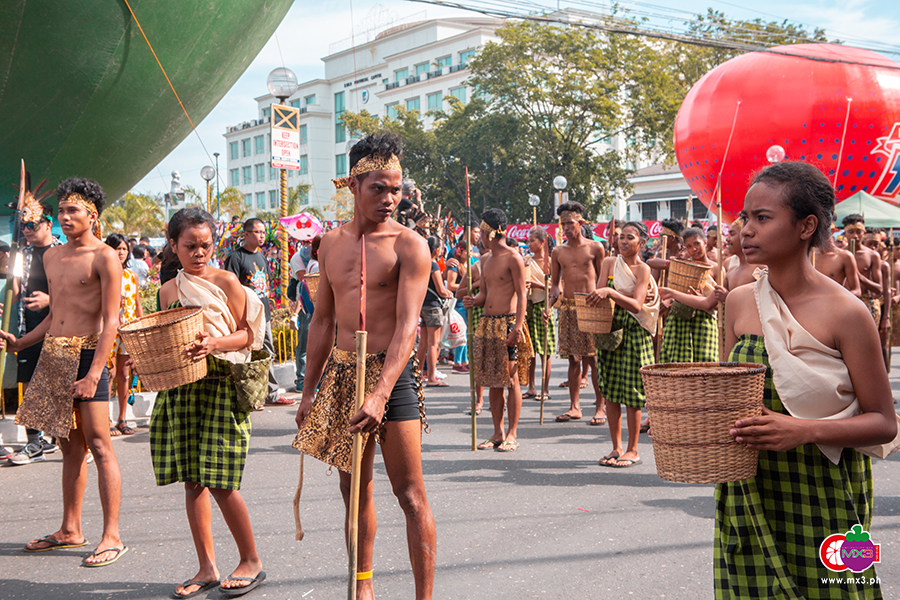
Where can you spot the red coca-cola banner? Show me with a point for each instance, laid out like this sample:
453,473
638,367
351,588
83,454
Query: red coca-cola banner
520,232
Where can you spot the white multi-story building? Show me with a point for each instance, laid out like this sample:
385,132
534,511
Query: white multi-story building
416,65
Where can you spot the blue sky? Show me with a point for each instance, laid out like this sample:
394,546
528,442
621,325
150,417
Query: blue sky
303,38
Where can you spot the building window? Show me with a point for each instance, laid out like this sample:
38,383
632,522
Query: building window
309,100
423,68
699,209
267,112
234,150
435,101
413,104
245,147
303,134
401,75
340,165
304,196
273,172
273,198
648,211
679,209
392,110
260,172
260,200
260,142
340,132
460,93
248,177
295,103
248,200
304,165
446,61
465,56
290,173
235,178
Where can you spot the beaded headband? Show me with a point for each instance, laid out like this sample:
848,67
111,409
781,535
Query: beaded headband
491,232
80,200
367,164
575,216
669,232
855,227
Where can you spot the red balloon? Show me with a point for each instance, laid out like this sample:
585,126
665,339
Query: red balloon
796,97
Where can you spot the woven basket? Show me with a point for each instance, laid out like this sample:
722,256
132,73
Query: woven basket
312,283
692,406
685,275
156,344
594,319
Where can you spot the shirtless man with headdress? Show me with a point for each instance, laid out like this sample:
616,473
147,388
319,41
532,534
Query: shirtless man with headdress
577,262
69,392
501,338
397,265
868,264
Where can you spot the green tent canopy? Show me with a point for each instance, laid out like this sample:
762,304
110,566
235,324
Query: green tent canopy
876,212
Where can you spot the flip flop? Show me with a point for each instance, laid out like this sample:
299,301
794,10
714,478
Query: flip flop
438,384
508,447
240,591
114,432
56,545
630,462
477,412
604,462
488,445
119,552
566,417
528,395
645,428
204,585
124,429
597,421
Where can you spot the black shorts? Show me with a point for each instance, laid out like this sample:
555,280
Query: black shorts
102,393
403,405
26,361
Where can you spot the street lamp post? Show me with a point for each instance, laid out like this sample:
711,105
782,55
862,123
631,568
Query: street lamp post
207,173
534,201
218,214
559,184
282,83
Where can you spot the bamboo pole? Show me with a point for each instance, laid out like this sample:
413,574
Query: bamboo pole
545,372
470,318
662,281
890,295
357,449
719,279
10,275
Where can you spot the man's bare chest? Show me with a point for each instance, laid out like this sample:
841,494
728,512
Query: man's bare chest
68,274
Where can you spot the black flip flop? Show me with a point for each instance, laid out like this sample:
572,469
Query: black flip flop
204,585
631,463
235,592
55,545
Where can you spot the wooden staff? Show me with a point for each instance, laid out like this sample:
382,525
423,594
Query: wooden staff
10,275
470,317
719,279
545,372
662,281
890,330
356,456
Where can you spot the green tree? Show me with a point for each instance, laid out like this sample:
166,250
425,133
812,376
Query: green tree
231,202
134,215
341,205
297,203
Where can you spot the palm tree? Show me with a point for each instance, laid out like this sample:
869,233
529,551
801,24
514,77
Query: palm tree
341,205
297,203
231,201
134,215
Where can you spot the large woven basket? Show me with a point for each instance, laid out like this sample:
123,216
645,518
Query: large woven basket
312,283
156,344
594,319
692,407
684,275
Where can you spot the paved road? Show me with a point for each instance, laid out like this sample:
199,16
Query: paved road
543,522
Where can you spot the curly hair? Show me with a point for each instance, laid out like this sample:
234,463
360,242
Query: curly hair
495,217
382,144
88,188
806,191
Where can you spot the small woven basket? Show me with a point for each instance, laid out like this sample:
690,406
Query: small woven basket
692,406
156,344
594,319
684,275
312,283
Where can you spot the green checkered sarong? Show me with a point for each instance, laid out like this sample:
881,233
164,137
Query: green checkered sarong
620,369
536,328
696,340
769,527
198,434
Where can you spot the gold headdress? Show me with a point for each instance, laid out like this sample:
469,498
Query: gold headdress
490,231
860,227
32,211
80,200
576,216
739,222
367,164
669,232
